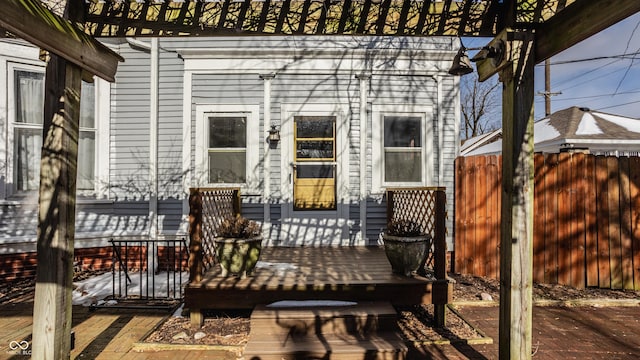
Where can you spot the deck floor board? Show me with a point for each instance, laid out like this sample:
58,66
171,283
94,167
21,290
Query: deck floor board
337,273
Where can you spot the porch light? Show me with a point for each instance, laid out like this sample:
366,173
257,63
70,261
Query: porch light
274,135
462,65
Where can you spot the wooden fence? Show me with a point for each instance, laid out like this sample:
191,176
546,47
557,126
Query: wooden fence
586,219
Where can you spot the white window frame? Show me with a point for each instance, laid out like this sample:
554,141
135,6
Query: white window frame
252,112
425,113
101,129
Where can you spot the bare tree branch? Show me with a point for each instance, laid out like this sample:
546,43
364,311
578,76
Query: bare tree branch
480,107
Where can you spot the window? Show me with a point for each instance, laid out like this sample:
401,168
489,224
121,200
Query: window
28,99
403,155
227,146
227,149
402,149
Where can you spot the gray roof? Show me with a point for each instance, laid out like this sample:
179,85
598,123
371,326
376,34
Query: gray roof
573,127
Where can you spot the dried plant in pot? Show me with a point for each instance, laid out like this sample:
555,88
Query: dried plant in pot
406,246
238,245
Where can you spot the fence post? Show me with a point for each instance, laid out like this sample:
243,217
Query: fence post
195,236
237,203
389,206
440,251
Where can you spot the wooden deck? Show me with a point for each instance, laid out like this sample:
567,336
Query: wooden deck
307,273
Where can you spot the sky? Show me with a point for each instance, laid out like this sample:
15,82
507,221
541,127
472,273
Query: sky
609,85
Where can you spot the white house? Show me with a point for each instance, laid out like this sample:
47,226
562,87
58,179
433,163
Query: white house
354,116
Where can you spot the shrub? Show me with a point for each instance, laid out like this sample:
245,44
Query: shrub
239,227
404,227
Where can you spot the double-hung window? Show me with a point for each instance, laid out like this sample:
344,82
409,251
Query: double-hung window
403,146
227,145
402,149
227,148
27,122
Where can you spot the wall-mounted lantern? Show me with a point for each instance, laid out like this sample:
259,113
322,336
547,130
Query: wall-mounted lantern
274,135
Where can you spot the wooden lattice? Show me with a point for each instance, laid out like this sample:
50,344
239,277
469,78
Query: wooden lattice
208,208
418,205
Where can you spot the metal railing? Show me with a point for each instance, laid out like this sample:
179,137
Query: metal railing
145,269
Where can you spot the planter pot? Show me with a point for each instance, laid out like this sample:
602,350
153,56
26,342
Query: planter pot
238,256
406,254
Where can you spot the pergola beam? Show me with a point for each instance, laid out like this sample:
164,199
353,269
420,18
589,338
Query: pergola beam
31,21
579,21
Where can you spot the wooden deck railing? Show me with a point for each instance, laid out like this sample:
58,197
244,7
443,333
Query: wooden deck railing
207,208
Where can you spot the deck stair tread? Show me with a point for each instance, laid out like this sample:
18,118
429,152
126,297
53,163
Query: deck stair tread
367,328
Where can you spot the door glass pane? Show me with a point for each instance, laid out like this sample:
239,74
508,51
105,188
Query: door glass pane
403,166
29,97
228,132
402,131
227,166
28,145
314,126
314,149
315,171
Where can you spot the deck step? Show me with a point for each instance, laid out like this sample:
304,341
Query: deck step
365,329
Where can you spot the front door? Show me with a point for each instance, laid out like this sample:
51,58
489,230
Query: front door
314,166
314,212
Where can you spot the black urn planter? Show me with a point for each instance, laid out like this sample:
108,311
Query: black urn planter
406,253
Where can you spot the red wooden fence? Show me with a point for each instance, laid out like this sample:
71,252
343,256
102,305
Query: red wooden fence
586,219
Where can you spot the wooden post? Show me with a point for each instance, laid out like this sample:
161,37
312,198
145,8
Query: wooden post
56,212
516,248
195,237
196,251
440,252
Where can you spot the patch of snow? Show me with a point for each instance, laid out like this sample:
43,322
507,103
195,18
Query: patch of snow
543,131
630,124
178,312
588,126
310,303
92,290
278,268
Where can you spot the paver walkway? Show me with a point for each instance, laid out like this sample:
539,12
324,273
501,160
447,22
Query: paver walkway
558,333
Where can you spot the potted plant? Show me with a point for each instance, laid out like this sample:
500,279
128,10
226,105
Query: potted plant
238,245
406,246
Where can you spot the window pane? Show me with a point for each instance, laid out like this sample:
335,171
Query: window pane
87,105
314,126
314,150
29,97
227,166
28,143
315,171
403,166
402,131
228,132
86,160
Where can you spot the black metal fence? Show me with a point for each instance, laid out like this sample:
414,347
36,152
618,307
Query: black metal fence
145,269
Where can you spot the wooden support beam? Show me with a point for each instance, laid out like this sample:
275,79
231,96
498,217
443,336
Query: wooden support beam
30,20
579,21
56,212
516,245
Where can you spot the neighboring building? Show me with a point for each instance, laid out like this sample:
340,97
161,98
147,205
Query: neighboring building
573,129
355,115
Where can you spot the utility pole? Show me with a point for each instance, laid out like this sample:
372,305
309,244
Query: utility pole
547,88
